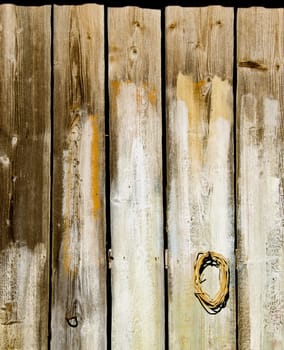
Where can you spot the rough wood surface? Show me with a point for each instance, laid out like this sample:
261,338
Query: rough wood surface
200,210
260,106
136,179
24,176
79,264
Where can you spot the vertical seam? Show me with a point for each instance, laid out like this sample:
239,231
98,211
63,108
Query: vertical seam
107,182
51,172
235,154
164,170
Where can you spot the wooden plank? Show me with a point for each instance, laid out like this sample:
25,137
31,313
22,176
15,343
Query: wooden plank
24,176
79,260
136,179
200,209
260,106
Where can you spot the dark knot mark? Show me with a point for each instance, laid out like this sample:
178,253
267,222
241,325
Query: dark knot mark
253,65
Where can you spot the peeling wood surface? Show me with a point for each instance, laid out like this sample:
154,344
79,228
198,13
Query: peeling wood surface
136,179
260,118
200,210
79,263
24,176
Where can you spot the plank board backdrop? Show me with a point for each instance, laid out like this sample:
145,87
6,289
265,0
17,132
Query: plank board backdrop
260,118
54,193
24,176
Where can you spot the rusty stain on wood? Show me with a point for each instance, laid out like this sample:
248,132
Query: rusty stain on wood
96,165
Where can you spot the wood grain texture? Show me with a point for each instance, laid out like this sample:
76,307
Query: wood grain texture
200,209
260,105
79,260
136,179
24,176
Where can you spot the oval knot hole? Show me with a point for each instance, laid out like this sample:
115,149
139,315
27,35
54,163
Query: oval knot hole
72,321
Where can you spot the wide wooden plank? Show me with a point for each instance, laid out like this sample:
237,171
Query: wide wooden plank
136,179
260,116
24,176
79,263
200,209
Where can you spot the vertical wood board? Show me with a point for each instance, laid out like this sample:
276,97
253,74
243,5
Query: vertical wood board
79,262
136,178
260,105
24,176
200,208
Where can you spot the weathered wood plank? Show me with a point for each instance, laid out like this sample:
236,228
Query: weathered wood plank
260,106
79,264
200,210
24,176
136,179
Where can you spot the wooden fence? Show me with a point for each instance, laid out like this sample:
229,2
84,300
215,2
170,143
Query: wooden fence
101,226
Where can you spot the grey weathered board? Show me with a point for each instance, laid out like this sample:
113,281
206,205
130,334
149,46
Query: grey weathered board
24,176
136,179
200,202
260,117
79,260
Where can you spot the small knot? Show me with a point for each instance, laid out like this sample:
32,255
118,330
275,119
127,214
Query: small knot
72,321
73,315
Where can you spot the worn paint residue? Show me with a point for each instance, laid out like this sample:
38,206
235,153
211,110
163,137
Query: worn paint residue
200,208
81,170
201,113
195,94
136,207
22,271
80,261
188,91
71,186
261,222
143,90
115,86
152,96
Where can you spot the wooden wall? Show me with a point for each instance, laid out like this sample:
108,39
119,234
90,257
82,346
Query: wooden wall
89,97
